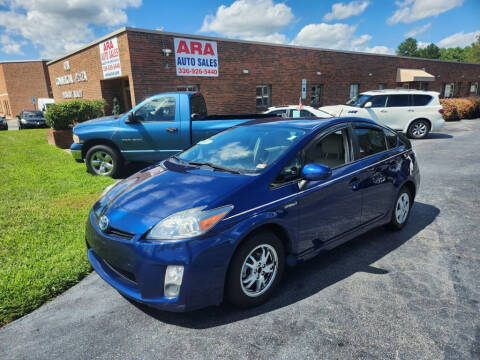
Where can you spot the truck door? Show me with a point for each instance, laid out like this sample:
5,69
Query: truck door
157,128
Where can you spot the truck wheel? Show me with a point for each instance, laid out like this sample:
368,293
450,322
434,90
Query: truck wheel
255,270
418,129
103,160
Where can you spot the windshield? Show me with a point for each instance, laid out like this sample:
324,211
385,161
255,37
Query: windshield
32,114
358,101
248,149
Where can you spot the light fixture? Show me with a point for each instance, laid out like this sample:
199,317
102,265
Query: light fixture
245,71
438,75
319,73
167,52
369,74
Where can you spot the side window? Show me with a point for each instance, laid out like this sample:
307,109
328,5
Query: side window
392,139
370,141
378,101
332,150
421,100
160,109
198,108
398,100
290,172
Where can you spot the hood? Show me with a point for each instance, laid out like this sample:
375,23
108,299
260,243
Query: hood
102,121
162,190
337,110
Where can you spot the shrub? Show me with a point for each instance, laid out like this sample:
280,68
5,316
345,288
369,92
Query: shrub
63,115
461,108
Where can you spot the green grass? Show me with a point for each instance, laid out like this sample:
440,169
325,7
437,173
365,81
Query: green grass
45,197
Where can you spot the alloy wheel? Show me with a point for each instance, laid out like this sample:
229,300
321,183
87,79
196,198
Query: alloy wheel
419,129
402,208
102,163
259,270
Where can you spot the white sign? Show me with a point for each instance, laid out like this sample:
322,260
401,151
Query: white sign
110,58
64,80
304,88
81,76
196,57
75,94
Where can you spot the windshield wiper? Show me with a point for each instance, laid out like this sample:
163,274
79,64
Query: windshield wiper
214,167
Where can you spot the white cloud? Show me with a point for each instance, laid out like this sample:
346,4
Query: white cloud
60,26
258,20
344,11
413,10
380,50
422,44
459,39
418,30
10,46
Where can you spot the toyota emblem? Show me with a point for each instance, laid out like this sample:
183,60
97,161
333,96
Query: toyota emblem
103,223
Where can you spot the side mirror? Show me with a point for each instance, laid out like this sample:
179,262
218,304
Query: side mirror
368,104
131,118
315,172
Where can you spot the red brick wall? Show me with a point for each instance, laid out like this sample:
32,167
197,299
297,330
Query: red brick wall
21,81
281,67
88,60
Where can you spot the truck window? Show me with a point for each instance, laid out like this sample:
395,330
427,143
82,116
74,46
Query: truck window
198,108
159,109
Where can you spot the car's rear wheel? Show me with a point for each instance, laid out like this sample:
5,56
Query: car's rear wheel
401,210
418,129
103,160
255,270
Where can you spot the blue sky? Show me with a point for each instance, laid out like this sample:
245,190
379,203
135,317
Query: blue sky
32,29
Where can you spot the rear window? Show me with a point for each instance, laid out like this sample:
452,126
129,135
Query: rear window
370,141
198,106
398,100
421,100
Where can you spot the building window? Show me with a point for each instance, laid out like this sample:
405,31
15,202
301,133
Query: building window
448,90
474,88
316,96
188,88
264,94
382,86
354,91
458,90
422,85
406,86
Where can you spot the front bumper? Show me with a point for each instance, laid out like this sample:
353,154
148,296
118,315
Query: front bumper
76,151
34,125
136,268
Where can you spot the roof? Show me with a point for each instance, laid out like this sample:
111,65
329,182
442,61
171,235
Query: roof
22,61
306,123
399,91
213,38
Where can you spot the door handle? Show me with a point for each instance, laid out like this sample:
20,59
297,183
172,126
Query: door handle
383,111
411,110
171,129
354,184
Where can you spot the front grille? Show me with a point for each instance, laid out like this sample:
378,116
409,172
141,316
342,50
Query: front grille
123,273
119,233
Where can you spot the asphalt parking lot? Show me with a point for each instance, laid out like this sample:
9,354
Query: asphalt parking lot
412,294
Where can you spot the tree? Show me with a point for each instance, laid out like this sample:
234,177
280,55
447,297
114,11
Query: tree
407,48
432,51
473,54
454,54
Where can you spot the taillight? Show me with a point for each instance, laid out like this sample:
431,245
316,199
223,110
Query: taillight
440,111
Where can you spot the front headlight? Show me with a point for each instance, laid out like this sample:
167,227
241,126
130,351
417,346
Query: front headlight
23,121
188,223
76,139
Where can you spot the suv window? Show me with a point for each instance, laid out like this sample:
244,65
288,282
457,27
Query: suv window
332,150
370,141
421,100
392,139
160,109
398,100
378,101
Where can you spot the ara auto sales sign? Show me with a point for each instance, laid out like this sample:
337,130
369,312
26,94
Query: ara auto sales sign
196,57
110,57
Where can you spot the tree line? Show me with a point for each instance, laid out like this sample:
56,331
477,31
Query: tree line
409,47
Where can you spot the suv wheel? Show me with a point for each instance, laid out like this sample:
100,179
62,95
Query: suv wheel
418,129
255,270
103,160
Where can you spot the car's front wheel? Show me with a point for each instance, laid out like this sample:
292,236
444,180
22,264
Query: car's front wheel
255,270
418,129
103,160
401,211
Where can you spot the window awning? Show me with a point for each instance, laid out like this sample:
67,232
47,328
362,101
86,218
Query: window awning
409,75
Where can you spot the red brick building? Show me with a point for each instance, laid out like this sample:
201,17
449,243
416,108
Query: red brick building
241,76
19,82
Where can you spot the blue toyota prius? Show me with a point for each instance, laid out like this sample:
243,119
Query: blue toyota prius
223,218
